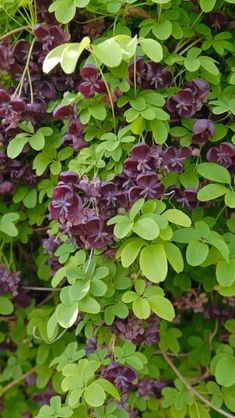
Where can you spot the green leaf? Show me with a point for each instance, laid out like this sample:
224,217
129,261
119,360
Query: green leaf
153,263
79,290
7,224
66,314
89,305
108,52
141,308
53,58
208,65
162,307
122,229
109,388
225,371
207,5
160,130
6,307
162,30
146,228
225,273
130,251
16,145
152,49
136,208
177,217
230,199
37,141
196,253
185,235
211,191
94,395
214,172
129,296
174,256
72,53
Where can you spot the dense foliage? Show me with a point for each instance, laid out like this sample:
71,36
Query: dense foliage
117,208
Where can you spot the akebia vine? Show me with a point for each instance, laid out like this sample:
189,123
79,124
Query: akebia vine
117,209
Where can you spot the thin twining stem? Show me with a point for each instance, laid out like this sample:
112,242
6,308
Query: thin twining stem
17,381
193,390
14,31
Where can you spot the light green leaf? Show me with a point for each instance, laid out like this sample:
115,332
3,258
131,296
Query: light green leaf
196,253
7,224
37,141
230,199
108,52
122,229
211,191
130,251
66,314
16,145
207,5
177,217
53,58
141,308
152,49
214,172
89,305
71,54
153,263
174,256
225,371
109,388
162,307
146,228
6,307
94,395
225,273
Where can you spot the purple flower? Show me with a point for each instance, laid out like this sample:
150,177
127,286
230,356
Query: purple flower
91,81
50,36
158,76
187,198
189,99
9,281
203,129
121,376
174,158
216,20
65,204
6,58
222,154
147,187
142,160
63,112
98,234
137,70
74,138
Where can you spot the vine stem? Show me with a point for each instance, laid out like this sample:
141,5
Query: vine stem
193,390
17,30
17,381
21,83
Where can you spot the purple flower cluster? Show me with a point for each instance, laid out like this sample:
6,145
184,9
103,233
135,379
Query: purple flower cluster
9,281
74,137
148,75
150,387
121,376
91,81
203,129
189,99
223,154
137,331
49,37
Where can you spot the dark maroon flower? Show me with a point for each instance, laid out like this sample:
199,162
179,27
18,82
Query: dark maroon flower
98,234
121,376
203,129
137,73
141,161
6,187
147,187
74,137
69,177
216,20
63,112
6,58
9,281
91,81
50,36
200,90
222,154
174,158
187,198
182,104
65,204
108,191
158,76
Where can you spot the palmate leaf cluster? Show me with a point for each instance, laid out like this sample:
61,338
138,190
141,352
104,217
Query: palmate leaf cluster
117,200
